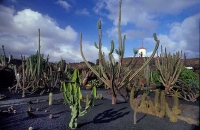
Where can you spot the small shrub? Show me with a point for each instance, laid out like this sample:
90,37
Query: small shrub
188,75
156,78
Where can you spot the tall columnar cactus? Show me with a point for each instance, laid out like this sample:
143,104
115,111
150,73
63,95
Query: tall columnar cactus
39,57
134,105
169,67
111,73
175,108
162,105
147,72
170,114
3,61
156,102
72,97
23,72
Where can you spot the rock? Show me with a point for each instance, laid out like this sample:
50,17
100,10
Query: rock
7,77
30,114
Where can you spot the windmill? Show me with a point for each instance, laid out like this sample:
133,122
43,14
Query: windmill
142,51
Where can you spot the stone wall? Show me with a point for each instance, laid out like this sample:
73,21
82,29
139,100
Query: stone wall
193,62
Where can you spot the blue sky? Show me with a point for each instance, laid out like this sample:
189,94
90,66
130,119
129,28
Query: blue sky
176,23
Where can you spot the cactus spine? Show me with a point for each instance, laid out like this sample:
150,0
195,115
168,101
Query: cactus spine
72,97
112,76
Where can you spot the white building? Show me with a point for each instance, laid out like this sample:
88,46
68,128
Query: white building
142,52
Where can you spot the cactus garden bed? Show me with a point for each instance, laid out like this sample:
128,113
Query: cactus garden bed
103,116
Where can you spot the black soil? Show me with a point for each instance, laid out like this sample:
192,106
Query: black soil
103,116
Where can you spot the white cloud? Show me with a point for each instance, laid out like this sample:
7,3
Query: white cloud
64,4
143,15
82,12
88,50
19,35
183,36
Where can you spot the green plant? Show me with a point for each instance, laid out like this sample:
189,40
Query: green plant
169,67
175,108
72,97
187,91
111,73
3,61
155,78
162,105
159,108
99,96
37,73
147,72
188,75
2,96
134,105
156,102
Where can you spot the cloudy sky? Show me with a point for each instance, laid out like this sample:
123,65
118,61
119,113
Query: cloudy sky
176,23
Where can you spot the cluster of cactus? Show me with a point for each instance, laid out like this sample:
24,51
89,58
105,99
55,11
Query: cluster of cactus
112,74
169,67
2,96
32,73
187,91
3,61
159,107
38,72
73,96
94,82
99,96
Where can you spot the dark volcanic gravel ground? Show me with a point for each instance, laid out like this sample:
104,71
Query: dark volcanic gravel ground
103,116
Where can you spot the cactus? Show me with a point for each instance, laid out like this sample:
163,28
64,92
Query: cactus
3,61
170,69
111,74
162,103
36,73
72,97
86,101
143,106
151,109
134,105
169,113
175,109
156,102
99,96
50,98
158,109
147,72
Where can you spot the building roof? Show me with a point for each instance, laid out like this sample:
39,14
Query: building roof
142,47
